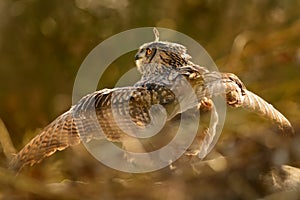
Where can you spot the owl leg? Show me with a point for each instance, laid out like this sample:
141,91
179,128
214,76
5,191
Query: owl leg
208,137
205,104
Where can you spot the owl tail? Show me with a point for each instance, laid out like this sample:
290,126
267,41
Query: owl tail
58,135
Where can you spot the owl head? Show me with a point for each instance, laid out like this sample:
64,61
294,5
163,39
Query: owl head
164,53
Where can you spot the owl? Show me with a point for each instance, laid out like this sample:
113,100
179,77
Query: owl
169,79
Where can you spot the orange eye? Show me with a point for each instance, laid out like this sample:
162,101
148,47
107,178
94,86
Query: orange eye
148,52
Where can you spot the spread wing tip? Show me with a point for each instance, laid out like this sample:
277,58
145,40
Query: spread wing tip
60,134
255,103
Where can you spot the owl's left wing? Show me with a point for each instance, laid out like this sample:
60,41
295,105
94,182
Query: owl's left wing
103,111
60,134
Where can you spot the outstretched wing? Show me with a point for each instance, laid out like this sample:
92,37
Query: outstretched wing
210,84
58,135
105,113
119,110
238,96
255,103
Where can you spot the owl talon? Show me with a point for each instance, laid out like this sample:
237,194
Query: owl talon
205,104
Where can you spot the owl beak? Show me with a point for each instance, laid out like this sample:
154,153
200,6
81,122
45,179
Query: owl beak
137,56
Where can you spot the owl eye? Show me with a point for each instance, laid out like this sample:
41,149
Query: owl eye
148,52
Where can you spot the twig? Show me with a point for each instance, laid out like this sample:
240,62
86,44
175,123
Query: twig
5,140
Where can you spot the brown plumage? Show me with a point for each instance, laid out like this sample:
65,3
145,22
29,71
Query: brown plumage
58,135
165,68
107,113
238,96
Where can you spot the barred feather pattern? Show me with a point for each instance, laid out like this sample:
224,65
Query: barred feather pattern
211,84
58,135
166,64
94,117
256,104
238,96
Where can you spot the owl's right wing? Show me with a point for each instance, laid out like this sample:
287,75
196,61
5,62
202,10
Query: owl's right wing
210,84
104,112
238,96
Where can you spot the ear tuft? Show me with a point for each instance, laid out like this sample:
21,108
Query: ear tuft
156,34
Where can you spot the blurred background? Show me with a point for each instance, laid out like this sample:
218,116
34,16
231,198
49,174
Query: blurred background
43,43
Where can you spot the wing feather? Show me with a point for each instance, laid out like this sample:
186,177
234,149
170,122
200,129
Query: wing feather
93,114
238,96
57,136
